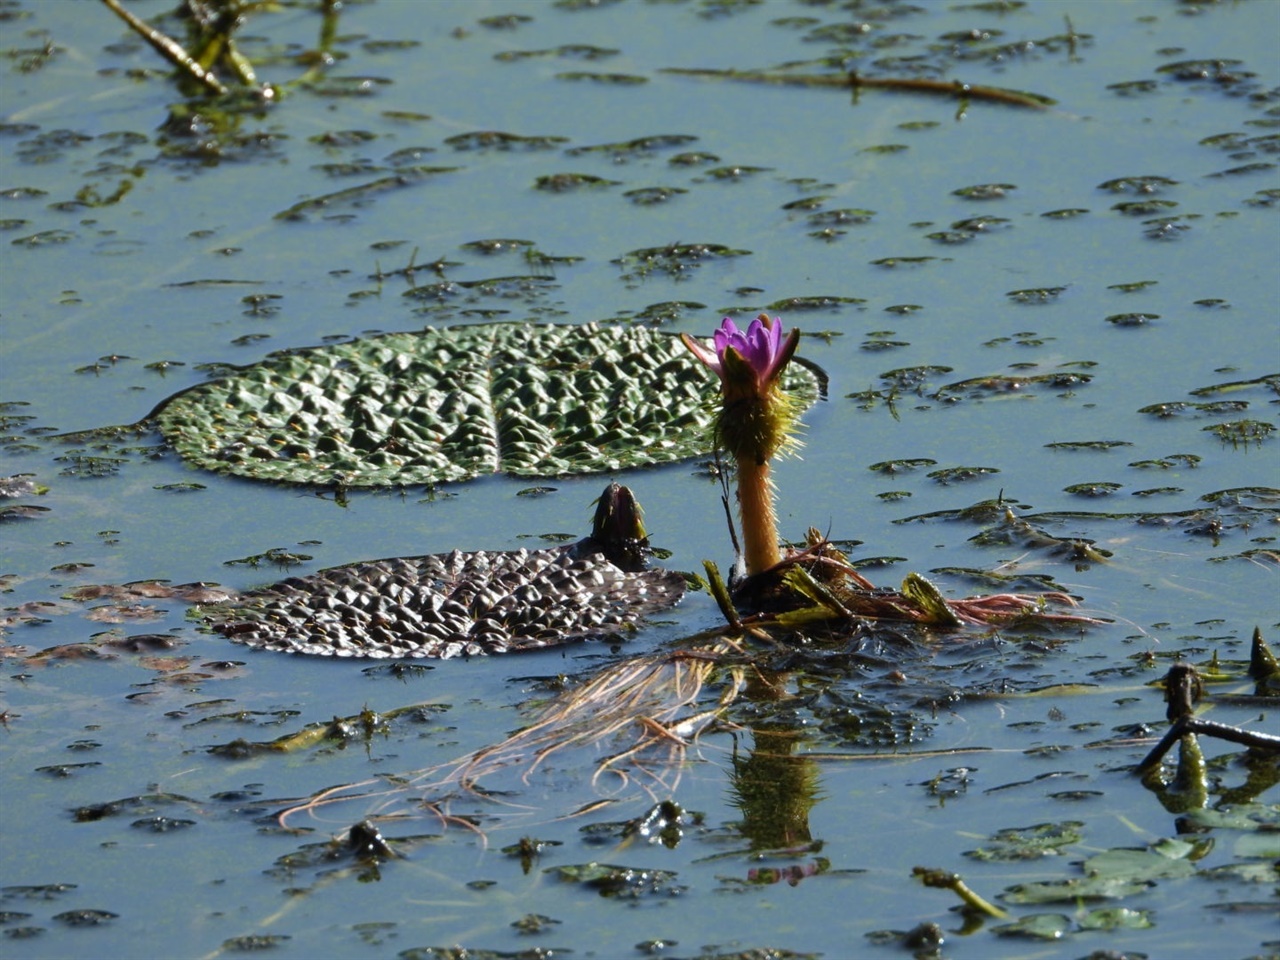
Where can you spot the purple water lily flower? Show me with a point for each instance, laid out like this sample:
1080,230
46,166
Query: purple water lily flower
761,351
757,419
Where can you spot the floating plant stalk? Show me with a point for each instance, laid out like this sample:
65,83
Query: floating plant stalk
855,82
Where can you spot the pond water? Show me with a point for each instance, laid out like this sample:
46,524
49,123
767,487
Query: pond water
1091,336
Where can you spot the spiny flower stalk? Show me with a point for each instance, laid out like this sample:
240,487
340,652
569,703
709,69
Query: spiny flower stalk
757,420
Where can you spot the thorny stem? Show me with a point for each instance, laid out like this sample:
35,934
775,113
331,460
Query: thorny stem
760,549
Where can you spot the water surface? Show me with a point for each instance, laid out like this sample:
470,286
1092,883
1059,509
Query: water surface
192,266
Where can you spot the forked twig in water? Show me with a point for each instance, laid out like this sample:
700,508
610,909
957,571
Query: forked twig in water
1182,689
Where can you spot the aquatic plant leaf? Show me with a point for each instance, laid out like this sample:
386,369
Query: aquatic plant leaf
255,941
1244,432
1037,926
85,918
1260,845
355,196
617,882
448,605
1133,864
1245,816
1073,890
467,953
1248,872
451,404
1271,381
1116,918
1029,843
361,727
930,600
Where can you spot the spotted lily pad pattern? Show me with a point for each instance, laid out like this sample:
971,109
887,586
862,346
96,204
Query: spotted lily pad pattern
455,403
449,605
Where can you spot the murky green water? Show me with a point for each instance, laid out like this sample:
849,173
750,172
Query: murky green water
1157,304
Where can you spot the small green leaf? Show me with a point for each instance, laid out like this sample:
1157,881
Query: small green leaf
1175,849
1072,890
1250,872
1247,816
1132,865
1116,918
929,599
1258,846
1038,926
1027,843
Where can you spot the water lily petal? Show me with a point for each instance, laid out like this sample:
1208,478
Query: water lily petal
709,357
728,335
753,358
761,342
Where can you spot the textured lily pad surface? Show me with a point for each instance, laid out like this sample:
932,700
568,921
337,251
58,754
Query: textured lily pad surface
448,605
456,403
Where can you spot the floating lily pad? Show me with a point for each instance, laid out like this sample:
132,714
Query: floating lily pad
1242,431
19,485
1005,384
613,79
463,604
456,403
1116,918
617,882
1163,861
1037,926
1029,843
1248,872
448,605
1245,816
574,51
565,182
1074,890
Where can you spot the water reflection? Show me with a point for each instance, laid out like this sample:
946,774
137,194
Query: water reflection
775,786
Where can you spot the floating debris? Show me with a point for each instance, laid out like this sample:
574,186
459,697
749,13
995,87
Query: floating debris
855,81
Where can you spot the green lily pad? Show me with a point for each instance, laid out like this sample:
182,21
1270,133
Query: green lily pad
622,883
1249,872
1133,864
456,403
448,605
1258,846
1056,926
1116,918
1037,926
463,604
1029,843
1074,890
